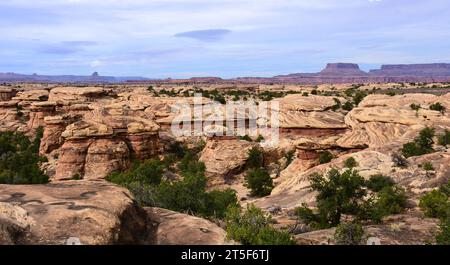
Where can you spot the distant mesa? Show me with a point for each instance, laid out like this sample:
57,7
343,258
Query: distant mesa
342,69
332,73
437,69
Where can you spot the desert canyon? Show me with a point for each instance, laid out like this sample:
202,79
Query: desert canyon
91,131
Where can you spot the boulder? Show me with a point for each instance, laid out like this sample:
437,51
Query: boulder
182,229
224,158
90,213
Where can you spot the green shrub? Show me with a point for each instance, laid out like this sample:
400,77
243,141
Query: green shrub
378,182
392,200
178,149
259,182
348,106
271,236
369,210
305,94
427,166
314,92
350,163
423,144
218,202
345,193
147,172
189,195
337,104
445,189
325,157
289,157
252,227
19,159
358,97
337,194
349,234
415,107
437,107
444,139
443,236
246,138
307,215
434,204
255,158
391,93
190,166
260,139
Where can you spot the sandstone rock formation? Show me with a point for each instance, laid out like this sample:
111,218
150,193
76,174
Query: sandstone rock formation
398,230
7,94
182,229
224,158
105,140
92,212
381,119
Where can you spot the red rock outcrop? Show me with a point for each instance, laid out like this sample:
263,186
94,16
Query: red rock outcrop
182,229
7,93
83,212
106,138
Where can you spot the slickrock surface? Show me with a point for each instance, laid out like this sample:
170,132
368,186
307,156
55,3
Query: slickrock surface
381,119
93,212
182,229
397,230
294,186
222,158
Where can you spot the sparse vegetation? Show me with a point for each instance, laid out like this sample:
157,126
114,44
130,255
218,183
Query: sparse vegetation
444,139
260,139
349,234
246,138
255,158
423,144
259,182
438,107
253,227
443,236
415,107
350,163
435,204
378,182
188,195
346,193
427,166
19,159
337,104
325,157
358,97
348,106
289,157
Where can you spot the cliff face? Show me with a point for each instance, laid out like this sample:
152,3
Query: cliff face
413,70
350,73
342,69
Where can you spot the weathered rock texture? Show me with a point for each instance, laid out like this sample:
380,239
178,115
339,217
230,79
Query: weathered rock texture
182,229
381,119
398,230
96,213
225,158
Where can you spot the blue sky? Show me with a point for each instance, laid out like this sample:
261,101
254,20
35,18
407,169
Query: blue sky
227,38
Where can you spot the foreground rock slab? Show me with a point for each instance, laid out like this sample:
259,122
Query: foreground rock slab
407,229
182,229
86,212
